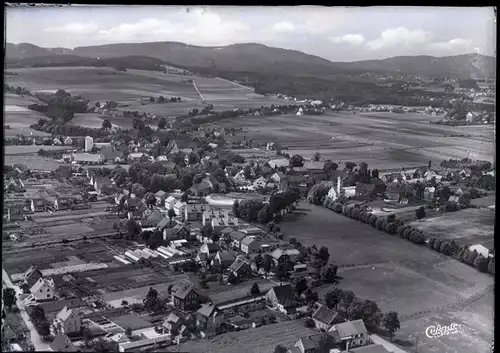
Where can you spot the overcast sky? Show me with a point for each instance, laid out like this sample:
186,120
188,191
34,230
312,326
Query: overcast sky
335,33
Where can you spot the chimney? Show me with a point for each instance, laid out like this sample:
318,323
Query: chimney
338,185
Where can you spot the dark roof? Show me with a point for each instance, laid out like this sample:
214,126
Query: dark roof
62,343
135,202
325,315
181,291
227,255
212,247
284,294
32,276
237,264
208,310
237,235
109,154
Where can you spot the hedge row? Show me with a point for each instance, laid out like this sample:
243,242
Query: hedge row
391,227
471,258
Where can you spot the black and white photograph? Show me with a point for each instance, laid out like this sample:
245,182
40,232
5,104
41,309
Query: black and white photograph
255,179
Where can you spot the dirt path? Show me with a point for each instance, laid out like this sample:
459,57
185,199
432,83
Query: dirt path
459,305
197,90
236,84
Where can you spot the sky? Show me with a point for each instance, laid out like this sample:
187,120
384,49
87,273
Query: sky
334,33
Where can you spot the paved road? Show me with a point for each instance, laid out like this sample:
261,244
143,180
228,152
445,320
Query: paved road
36,340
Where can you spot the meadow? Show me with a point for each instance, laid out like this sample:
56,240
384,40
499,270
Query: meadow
96,84
469,226
384,141
18,117
397,274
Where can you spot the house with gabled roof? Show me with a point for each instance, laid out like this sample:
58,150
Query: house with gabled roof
209,319
177,232
210,249
282,298
179,208
224,258
67,321
185,297
240,267
173,322
62,343
324,318
260,182
160,197
43,290
32,275
249,245
354,332
168,201
68,140
284,255
236,238
63,202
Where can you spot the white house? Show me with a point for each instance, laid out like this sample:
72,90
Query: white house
481,249
170,202
67,321
43,289
249,245
179,208
260,182
240,179
89,143
68,141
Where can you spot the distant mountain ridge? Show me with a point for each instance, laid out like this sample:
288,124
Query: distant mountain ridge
258,58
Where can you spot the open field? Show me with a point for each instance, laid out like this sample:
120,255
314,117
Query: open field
93,121
395,273
469,226
31,161
383,140
263,339
25,149
120,86
19,117
475,330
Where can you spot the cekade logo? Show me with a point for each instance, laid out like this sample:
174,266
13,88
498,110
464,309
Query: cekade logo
440,331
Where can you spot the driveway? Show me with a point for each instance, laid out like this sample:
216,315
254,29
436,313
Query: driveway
36,340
